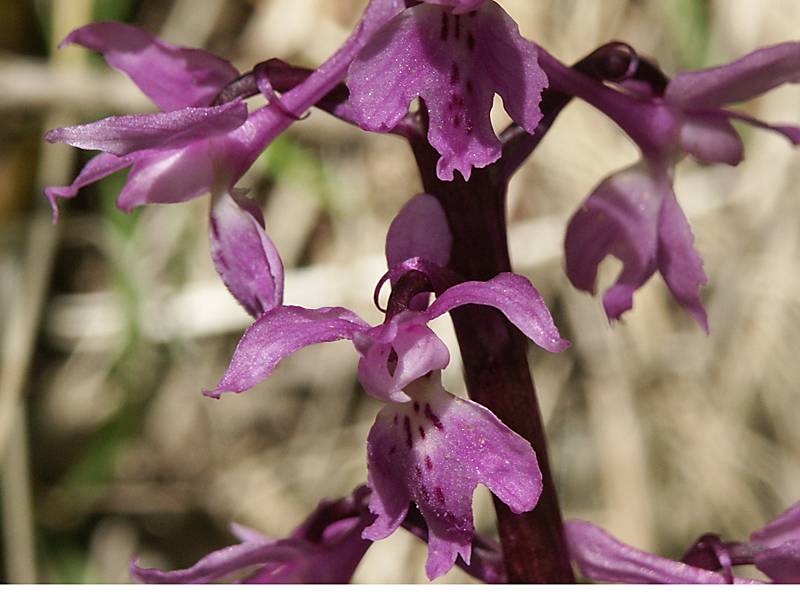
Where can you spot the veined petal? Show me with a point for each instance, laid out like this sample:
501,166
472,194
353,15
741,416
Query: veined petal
783,528
679,263
781,563
420,230
455,63
125,134
435,450
515,297
602,557
243,254
389,364
619,218
711,139
277,334
171,76
746,78
96,169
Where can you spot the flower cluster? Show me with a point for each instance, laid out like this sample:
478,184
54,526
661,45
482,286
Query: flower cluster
428,449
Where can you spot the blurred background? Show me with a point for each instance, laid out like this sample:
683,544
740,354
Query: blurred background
111,324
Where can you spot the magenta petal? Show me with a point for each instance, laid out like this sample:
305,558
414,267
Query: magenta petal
515,297
455,63
601,557
738,81
458,6
225,562
790,132
170,176
711,139
435,450
129,133
277,334
782,529
171,76
619,218
781,563
244,256
679,263
397,354
420,230
96,169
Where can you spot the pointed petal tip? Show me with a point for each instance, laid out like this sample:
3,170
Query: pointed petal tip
216,393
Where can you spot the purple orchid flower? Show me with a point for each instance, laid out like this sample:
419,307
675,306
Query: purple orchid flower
426,445
192,147
326,548
774,549
454,55
633,214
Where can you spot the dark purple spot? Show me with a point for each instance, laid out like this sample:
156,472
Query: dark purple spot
407,427
457,100
394,420
392,450
433,418
445,27
422,432
439,495
471,42
428,463
418,471
457,32
416,406
456,120
455,75
469,87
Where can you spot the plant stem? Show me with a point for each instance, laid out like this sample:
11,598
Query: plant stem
495,362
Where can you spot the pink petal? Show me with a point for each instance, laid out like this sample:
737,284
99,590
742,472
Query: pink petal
129,133
515,297
458,6
781,563
96,169
455,63
741,80
243,254
397,354
224,562
601,557
711,139
784,528
171,76
619,218
279,333
790,132
679,263
420,230
435,450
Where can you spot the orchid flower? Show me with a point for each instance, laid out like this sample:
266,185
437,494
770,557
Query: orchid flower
633,214
426,445
191,147
454,55
326,548
774,549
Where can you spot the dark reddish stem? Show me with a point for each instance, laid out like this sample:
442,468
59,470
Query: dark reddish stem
495,362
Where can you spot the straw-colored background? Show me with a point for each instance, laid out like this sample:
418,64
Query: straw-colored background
111,324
